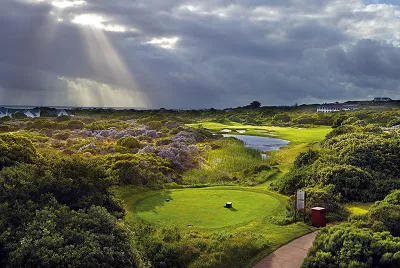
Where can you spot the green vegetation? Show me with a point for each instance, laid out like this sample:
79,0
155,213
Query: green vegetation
233,245
281,161
204,208
92,190
141,169
58,211
358,208
360,166
369,240
127,145
223,164
295,135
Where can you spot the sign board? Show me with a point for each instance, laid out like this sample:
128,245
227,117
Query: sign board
300,200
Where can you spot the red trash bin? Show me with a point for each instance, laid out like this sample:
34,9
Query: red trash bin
318,217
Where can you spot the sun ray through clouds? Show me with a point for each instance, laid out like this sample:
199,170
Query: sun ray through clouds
108,65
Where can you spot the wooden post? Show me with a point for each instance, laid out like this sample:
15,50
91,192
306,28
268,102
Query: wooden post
295,208
305,207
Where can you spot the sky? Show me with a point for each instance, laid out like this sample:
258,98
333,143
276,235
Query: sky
197,53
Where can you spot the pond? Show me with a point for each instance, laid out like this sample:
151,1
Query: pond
262,144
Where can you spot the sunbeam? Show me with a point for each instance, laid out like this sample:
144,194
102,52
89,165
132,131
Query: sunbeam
108,66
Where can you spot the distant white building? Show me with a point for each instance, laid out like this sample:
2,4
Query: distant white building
379,99
3,112
329,108
63,112
32,113
60,112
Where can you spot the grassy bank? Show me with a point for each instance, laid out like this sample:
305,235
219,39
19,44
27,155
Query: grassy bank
230,156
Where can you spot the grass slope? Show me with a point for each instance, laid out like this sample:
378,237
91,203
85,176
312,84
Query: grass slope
232,156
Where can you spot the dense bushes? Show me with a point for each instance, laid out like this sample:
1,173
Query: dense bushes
127,145
386,213
322,197
371,240
16,149
58,211
157,125
362,164
143,169
57,236
58,124
351,245
168,247
306,158
102,125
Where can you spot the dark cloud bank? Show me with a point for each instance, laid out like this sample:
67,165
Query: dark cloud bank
197,54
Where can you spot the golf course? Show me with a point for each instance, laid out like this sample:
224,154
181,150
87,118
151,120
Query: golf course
204,207
198,212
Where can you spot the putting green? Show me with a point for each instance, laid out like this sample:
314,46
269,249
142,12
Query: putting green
204,208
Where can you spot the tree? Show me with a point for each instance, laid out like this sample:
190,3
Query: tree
255,105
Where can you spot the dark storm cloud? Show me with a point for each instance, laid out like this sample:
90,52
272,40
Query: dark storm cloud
208,53
367,58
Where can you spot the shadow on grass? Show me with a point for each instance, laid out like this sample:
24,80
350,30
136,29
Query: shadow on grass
232,209
152,202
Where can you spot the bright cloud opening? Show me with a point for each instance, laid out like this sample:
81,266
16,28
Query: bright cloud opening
89,19
63,3
98,22
164,42
66,3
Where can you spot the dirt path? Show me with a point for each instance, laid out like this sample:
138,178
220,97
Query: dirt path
290,255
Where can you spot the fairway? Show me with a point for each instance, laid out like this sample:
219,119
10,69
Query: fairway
293,134
204,208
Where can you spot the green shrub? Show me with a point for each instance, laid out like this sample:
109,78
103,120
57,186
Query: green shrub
63,118
16,149
157,125
348,245
61,136
387,212
74,124
127,145
306,158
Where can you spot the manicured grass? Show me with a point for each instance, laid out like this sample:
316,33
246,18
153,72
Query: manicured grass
204,208
358,208
263,203
296,135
